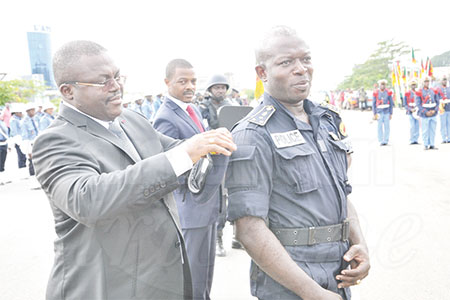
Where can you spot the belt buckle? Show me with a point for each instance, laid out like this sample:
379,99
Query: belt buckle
311,234
345,230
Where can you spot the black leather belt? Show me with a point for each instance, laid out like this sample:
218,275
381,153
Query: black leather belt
312,235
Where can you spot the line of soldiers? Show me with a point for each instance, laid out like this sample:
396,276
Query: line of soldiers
422,106
19,126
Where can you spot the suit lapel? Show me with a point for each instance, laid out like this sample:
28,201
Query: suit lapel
93,127
183,115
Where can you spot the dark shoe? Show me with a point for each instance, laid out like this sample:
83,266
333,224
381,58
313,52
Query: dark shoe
414,143
235,244
433,148
220,251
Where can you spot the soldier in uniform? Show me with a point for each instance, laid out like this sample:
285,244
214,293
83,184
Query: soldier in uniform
382,106
409,102
427,103
444,110
288,186
16,133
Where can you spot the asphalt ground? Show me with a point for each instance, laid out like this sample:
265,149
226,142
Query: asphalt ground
401,193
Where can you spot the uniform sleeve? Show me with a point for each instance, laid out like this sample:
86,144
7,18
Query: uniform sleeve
249,176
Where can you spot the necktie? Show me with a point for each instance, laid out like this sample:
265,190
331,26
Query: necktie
115,128
194,118
34,126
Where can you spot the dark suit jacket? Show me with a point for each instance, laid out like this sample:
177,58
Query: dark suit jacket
115,218
196,210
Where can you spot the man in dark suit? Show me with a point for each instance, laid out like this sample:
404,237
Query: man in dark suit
180,119
109,176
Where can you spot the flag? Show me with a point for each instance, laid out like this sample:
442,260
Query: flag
398,73
413,57
259,90
426,66
393,76
430,69
404,75
422,70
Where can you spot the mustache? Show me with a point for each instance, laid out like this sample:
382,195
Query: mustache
113,96
188,92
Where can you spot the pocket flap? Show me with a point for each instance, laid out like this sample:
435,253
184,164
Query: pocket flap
291,152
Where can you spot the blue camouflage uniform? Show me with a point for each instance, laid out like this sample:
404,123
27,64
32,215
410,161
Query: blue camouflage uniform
45,121
15,125
428,102
296,184
382,105
444,97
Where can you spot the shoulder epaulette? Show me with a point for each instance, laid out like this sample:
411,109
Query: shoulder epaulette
330,107
389,92
262,116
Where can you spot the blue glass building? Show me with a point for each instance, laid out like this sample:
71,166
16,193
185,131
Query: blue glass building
39,46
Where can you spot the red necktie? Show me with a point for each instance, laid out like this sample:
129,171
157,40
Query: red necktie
194,118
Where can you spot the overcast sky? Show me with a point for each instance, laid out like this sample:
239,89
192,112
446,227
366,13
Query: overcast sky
219,36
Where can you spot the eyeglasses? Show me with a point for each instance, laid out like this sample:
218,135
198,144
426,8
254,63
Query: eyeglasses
106,85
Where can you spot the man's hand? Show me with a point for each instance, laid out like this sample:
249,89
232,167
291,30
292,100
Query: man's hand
219,141
358,257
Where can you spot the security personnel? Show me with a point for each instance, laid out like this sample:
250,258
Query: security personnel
444,110
30,130
427,103
288,186
47,118
382,106
217,87
16,132
409,103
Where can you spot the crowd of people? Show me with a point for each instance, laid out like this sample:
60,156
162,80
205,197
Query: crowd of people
139,190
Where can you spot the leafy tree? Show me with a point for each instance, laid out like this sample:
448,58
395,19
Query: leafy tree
376,67
250,93
18,90
442,60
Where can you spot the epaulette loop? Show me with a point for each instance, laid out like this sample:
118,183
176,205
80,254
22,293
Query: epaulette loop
330,107
262,116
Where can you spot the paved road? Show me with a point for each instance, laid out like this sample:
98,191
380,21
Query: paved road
401,193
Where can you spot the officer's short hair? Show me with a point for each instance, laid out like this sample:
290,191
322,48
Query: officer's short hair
69,54
262,51
174,64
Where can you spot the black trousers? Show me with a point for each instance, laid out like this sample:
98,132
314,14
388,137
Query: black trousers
3,153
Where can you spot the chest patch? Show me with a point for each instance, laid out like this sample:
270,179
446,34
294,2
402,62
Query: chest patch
287,139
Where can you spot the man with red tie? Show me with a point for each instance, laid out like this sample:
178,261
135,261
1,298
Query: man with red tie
409,102
180,119
427,102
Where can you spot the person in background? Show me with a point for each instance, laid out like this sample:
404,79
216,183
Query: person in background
48,117
444,109
382,107
427,102
409,102
30,130
17,110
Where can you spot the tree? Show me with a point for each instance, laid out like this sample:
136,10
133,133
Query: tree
442,60
18,90
376,67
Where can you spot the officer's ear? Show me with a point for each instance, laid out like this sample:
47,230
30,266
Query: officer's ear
66,91
261,72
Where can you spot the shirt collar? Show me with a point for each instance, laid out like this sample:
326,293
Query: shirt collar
181,104
101,122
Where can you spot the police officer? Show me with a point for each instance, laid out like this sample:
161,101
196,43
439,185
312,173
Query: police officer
288,187
4,148
427,103
47,118
382,107
409,103
444,110
30,130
